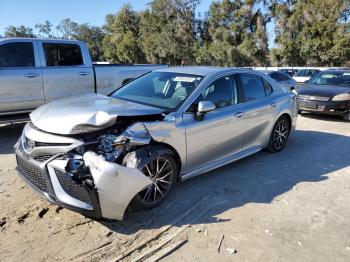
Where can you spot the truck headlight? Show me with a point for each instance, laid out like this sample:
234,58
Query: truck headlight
341,97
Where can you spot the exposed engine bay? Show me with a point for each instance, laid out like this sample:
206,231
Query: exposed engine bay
111,154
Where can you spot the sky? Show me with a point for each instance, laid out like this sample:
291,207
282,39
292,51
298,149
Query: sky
31,12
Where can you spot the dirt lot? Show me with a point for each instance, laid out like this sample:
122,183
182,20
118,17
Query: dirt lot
291,206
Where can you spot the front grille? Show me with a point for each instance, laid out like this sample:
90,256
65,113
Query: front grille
31,172
313,98
43,158
71,187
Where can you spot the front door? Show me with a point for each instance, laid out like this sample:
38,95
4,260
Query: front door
21,85
219,133
65,72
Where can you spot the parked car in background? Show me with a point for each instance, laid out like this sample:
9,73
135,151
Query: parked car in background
327,93
305,74
34,72
282,78
95,154
290,72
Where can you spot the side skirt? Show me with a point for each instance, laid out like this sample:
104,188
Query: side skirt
221,162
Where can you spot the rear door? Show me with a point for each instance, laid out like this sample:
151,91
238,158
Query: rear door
21,86
259,109
66,71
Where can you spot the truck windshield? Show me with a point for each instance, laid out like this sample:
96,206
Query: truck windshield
166,90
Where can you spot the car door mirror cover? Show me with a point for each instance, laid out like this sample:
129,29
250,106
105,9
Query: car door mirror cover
203,108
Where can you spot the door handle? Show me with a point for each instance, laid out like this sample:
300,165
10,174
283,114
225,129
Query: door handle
273,104
31,75
239,114
83,73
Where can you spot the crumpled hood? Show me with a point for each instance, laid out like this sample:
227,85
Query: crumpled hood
85,113
322,90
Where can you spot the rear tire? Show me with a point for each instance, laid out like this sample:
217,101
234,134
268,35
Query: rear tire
279,135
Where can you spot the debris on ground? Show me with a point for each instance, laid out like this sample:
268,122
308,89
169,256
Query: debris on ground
219,243
205,231
2,221
268,232
58,209
231,250
22,218
42,212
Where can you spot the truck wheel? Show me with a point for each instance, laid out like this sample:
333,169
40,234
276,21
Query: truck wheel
279,135
162,169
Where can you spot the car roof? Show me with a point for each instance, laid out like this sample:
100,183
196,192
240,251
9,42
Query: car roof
203,70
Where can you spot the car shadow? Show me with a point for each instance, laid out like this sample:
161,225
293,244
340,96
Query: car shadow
260,178
332,118
9,134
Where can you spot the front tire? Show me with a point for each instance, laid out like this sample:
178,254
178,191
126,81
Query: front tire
162,169
279,135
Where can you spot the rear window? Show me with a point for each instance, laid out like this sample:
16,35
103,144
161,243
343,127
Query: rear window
17,55
62,54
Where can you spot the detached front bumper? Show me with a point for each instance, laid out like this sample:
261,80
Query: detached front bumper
324,107
43,169
52,183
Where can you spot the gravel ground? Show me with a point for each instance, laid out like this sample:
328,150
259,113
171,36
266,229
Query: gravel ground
290,206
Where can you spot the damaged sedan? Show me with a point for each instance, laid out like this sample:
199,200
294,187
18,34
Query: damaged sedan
100,154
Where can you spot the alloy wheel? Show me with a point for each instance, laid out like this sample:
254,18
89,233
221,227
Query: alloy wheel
161,173
280,134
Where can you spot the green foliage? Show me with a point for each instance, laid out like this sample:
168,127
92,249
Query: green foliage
121,43
167,31
44,30
21,31
231,33
313,32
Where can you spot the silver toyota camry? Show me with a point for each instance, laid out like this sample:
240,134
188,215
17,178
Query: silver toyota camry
99,154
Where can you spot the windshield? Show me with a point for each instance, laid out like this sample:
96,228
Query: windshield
331,78
307,72
164,90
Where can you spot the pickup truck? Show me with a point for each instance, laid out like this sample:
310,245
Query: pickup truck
37,71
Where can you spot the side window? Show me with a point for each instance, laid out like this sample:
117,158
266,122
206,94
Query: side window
253,86
62,54
17,55
222,92
268,88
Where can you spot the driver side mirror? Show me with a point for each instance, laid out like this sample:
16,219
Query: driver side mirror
203,108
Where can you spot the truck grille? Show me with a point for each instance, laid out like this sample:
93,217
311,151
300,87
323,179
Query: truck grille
31,172
71,188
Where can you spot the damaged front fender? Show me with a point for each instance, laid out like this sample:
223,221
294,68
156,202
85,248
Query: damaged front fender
116,185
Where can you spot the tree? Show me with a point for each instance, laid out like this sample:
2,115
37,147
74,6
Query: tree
313,32
121,43
92,35
167,31
237,35
67,29
21,31
44,30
